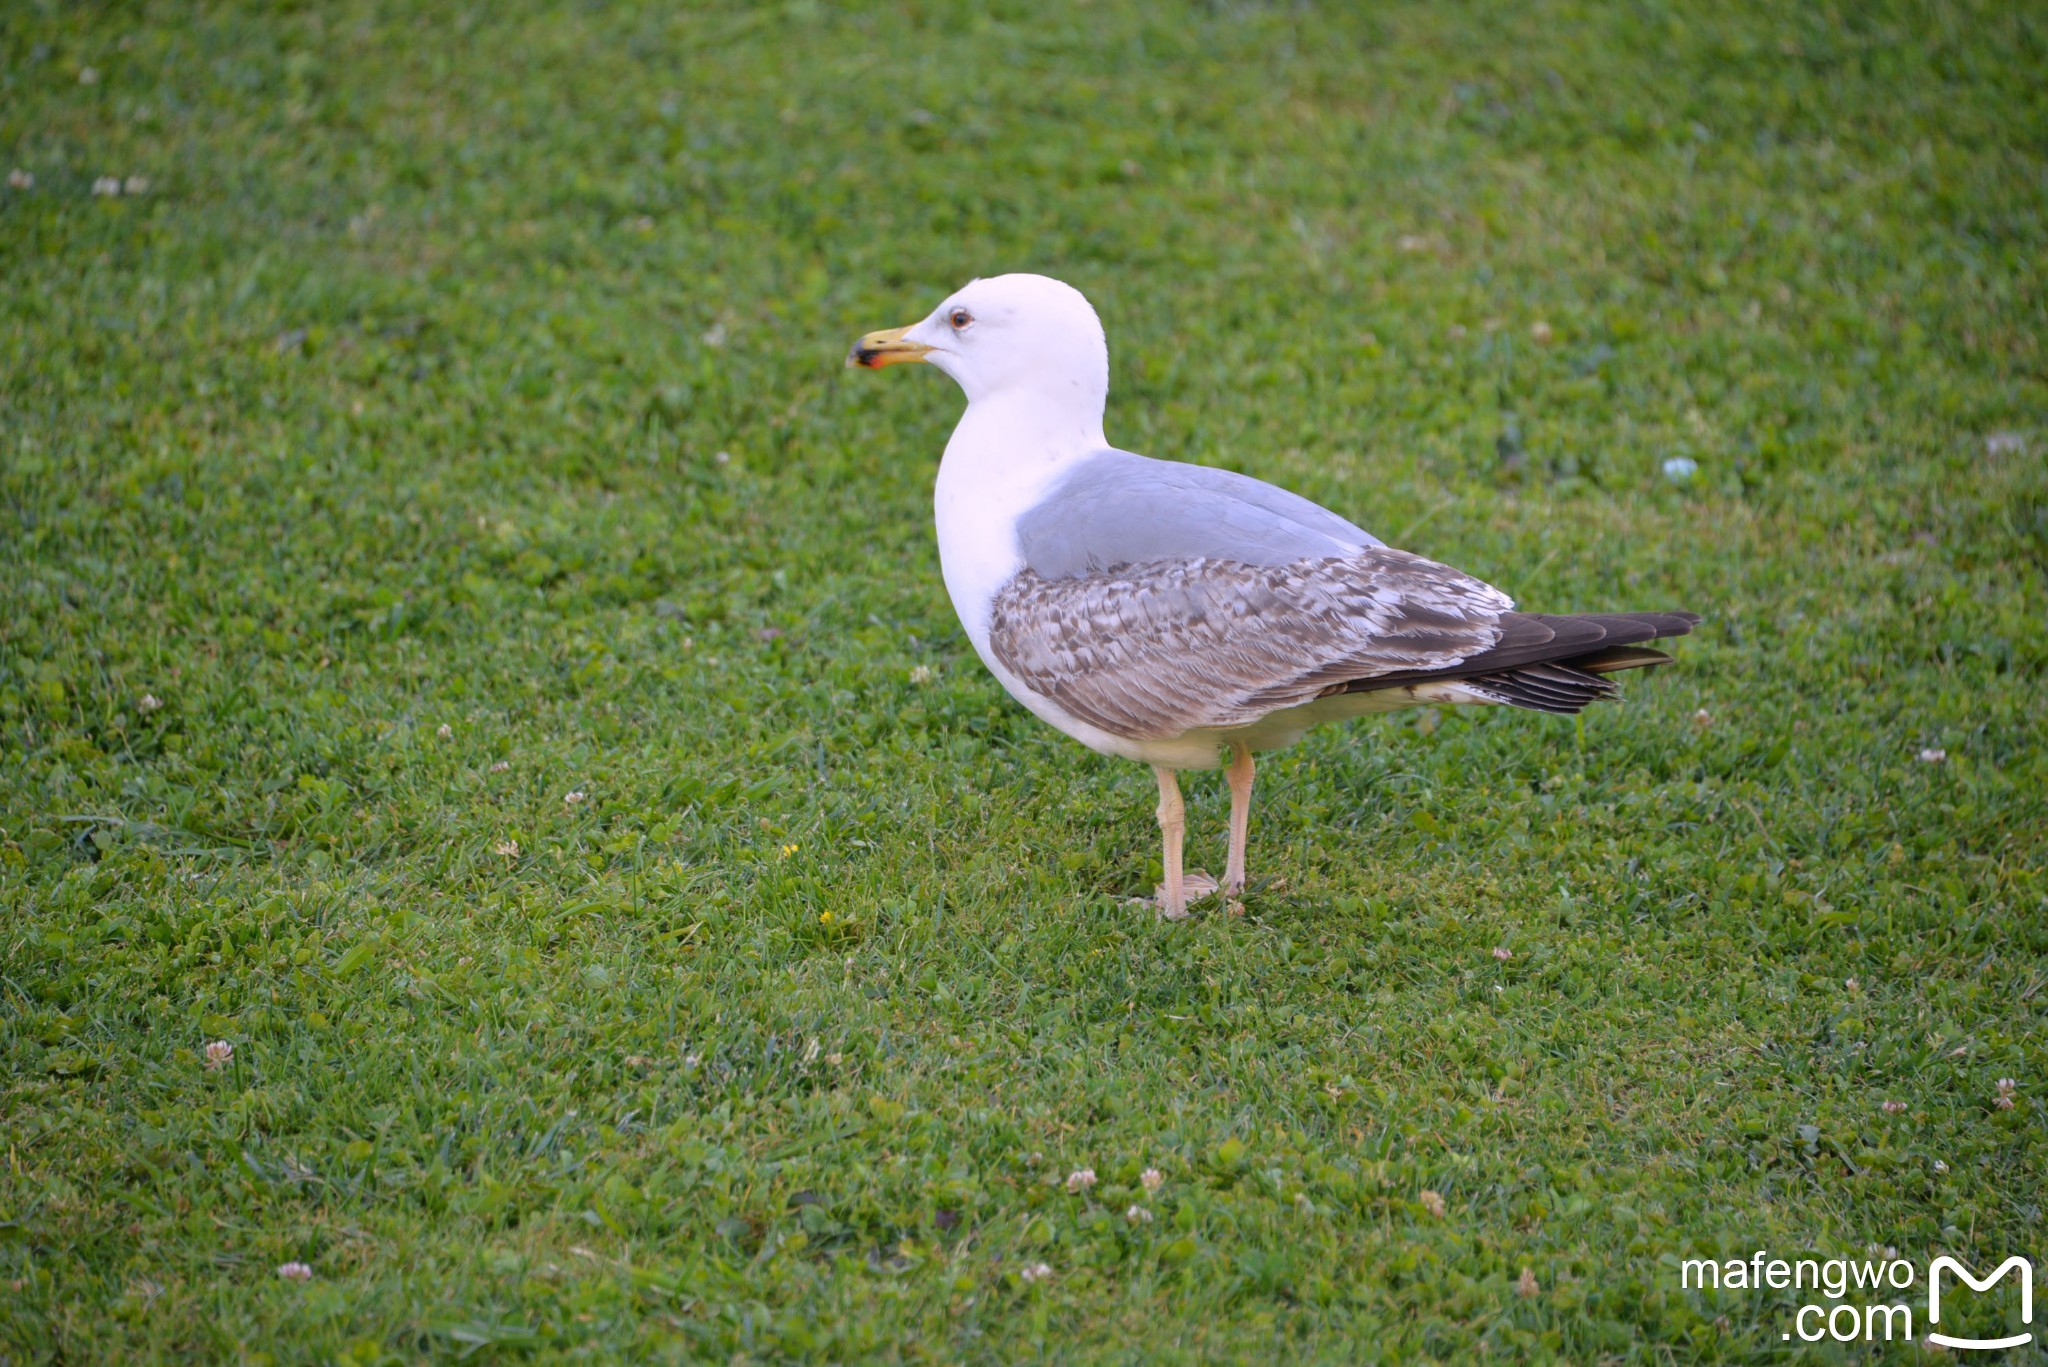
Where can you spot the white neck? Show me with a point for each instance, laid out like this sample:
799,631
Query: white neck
1006,453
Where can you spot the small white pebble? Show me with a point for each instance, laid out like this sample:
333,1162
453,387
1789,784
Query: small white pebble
1080,1179
19,179
444,731
1152,1179
219,1054
295,1272
1138,1215
1933,756
147,703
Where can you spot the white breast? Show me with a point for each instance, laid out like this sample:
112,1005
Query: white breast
997,467
999,464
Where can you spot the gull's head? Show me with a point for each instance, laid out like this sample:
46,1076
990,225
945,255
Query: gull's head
1011,334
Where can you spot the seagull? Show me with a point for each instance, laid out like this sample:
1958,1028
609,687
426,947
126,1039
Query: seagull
1171,613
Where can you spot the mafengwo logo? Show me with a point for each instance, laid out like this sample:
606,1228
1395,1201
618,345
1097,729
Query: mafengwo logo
2012,1264
1846,1321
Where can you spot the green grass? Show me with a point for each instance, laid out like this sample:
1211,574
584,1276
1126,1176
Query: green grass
478,367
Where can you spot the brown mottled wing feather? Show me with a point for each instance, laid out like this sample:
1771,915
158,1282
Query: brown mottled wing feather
1155,650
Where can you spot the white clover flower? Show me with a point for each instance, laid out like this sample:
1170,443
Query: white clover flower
1080,1179
219,1054
1679,469
1503,953
922,674
1525,1285
501,766
1138,1215
1939,1166
1703,718
295,1272
19,179
507,847
571,798
135,185
1892,1107
1540,332
88,75
1433,1202
1852,984
1152,1179
1933,756
106,186
1035,1272
148,703
444,731
2007,1086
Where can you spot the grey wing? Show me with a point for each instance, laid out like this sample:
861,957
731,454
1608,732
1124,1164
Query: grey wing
1114,508
1152,651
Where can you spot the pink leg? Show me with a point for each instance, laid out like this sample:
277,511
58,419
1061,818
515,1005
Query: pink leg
1240,775
1173,827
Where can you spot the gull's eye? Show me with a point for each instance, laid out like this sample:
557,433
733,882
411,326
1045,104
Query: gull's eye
959,318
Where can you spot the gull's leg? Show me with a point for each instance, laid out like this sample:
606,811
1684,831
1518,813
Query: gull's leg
1173,827
1240,775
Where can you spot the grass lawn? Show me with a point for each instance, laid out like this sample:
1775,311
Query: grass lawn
467,644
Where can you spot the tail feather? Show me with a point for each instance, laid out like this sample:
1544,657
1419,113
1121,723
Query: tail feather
1551,663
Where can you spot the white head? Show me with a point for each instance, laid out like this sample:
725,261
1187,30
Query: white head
1024,336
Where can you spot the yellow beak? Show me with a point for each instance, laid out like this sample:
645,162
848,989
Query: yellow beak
888,347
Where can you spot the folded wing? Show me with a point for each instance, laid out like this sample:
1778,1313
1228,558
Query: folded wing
1156,649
